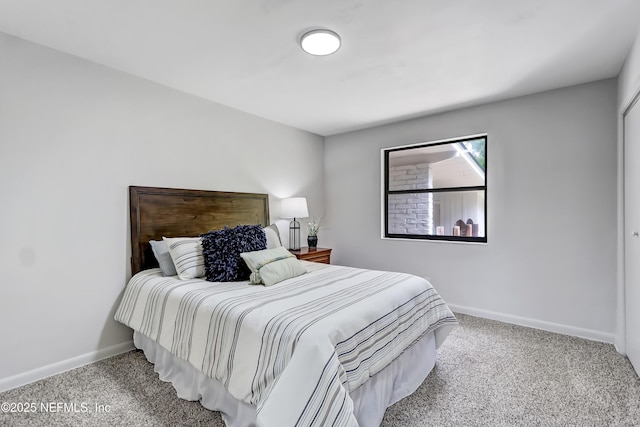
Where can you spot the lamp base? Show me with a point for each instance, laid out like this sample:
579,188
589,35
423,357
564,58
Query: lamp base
294,235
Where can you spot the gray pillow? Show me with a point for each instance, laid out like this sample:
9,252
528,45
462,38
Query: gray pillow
161,252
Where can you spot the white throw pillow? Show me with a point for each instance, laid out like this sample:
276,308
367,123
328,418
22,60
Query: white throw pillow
273,236
271,266
186,253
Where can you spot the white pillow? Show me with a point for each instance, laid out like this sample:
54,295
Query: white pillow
186,253
273,237
270,266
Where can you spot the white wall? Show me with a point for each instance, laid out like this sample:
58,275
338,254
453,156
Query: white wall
550,261
628,88
73,136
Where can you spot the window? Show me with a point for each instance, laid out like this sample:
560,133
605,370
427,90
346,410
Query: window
436,190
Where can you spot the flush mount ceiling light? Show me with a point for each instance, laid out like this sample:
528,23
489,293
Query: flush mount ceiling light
320,42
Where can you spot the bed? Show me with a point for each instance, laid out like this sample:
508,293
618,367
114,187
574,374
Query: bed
333,346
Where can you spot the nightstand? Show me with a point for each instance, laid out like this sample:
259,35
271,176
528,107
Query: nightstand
322,255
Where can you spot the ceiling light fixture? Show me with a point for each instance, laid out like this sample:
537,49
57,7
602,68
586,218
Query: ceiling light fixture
320,42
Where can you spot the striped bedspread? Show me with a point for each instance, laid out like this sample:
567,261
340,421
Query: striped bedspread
295,349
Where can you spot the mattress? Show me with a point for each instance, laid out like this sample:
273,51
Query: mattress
295,353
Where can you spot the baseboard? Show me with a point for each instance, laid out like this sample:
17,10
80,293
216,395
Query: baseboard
536,324
63,366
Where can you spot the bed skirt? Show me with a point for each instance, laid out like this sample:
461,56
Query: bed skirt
398,380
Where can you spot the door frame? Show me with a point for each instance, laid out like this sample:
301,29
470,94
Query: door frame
621,318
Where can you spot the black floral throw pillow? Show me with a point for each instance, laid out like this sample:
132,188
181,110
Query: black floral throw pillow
222,249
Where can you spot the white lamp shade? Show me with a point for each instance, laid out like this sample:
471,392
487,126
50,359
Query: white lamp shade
294,207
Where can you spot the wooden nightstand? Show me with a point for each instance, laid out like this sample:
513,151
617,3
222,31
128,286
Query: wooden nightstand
322,255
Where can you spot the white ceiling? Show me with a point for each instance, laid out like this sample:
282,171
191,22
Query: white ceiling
399,59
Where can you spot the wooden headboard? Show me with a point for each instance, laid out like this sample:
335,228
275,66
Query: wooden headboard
170,212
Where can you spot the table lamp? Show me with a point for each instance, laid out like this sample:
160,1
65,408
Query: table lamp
294,207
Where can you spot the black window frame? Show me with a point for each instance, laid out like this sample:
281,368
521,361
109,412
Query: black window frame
433,237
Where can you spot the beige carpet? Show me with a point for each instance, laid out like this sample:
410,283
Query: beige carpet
487,374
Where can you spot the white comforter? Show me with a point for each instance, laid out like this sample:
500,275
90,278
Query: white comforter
296,349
